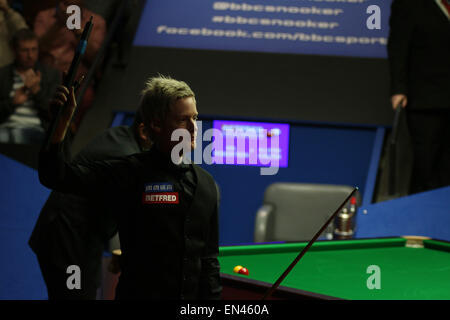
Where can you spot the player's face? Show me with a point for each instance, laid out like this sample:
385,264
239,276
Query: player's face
27,53
183,115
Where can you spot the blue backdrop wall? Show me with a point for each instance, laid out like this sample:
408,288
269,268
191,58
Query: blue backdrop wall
21,198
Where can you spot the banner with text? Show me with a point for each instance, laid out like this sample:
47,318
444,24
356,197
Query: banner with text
356,28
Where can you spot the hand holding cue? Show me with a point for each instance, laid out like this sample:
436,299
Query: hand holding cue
302,253
398,110
69,83
66,103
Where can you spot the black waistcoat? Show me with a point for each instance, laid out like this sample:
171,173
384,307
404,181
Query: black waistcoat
163,243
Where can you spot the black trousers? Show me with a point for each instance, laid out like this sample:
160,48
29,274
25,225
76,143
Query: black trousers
430,136
61,244
56,279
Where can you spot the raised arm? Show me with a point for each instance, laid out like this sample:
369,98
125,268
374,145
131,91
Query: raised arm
92,178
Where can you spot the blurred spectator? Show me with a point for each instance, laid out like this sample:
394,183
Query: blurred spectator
10,22
104,8
58,44
30,8
17,5
26,88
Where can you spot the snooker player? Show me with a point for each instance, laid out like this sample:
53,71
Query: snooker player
73,230
167,211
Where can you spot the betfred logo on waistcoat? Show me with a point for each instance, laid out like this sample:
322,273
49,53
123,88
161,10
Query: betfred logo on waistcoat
162,197
160,192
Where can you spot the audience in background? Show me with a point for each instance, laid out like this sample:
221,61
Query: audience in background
104,8
26,87
10,22
58,44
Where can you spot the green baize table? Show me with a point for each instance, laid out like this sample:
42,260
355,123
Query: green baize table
365,269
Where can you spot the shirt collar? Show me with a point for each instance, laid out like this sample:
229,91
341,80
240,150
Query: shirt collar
166,161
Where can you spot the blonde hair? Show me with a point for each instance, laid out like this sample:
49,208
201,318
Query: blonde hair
159,94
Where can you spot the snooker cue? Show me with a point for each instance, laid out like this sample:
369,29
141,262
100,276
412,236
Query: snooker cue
393,151
69,79
302,253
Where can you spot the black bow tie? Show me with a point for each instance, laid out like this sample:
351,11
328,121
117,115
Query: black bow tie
182,167
167,162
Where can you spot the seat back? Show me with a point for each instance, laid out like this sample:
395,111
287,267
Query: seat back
296,211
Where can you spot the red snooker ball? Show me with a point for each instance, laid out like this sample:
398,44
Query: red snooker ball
244,271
